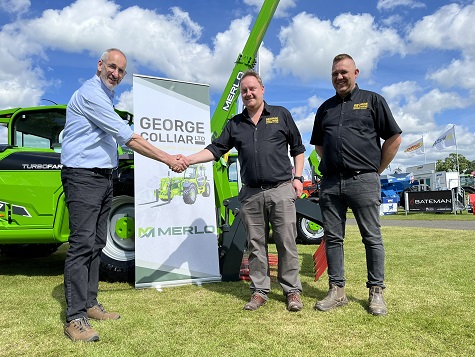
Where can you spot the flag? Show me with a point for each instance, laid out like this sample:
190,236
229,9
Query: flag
416,148
445,140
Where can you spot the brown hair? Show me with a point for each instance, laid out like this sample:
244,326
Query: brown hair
342,56
252,73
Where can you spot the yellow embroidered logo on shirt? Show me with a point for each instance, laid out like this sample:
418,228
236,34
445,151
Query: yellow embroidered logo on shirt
360,106
273,120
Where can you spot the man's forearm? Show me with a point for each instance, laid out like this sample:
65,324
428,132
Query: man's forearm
388,151
177,163
201,156
143,147
298,164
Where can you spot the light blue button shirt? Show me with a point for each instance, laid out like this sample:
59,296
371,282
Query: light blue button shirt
93,128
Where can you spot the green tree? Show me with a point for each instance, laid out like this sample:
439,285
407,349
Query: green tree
450,163
471,167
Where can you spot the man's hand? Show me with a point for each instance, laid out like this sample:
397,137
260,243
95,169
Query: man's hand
298,187
178,163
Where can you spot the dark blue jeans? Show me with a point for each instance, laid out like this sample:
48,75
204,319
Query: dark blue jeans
361,193
88,197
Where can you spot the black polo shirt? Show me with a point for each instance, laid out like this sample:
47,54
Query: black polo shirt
263,149
350,131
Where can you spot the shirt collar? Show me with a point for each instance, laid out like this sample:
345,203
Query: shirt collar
265,111
350,95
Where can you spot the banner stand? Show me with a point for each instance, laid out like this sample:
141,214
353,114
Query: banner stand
176,241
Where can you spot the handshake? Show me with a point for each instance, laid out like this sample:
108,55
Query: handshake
178,163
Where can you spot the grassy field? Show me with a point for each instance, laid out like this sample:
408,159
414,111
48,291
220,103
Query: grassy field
430,279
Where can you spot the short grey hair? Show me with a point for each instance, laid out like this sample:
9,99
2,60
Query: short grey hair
105,55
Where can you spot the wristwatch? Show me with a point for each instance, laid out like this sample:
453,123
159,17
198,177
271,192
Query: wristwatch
300,178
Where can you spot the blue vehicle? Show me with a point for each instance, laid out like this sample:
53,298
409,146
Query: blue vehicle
393,186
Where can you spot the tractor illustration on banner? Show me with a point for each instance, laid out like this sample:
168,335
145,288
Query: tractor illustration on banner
193,182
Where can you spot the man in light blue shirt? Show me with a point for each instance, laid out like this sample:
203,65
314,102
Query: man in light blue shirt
89,155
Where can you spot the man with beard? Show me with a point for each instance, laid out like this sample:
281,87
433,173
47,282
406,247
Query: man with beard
89,155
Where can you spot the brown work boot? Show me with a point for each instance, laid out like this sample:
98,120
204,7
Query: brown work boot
97,312
80,330
336,297
293,302
377,306
256,302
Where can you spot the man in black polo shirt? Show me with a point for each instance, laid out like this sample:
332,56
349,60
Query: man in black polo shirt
347,136
262,135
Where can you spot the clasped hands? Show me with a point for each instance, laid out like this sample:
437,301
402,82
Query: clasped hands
178,163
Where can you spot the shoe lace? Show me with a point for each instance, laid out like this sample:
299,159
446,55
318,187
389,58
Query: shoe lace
293,297
100,307
256,297
82,324
376,293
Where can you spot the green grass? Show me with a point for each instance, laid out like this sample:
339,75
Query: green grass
429,277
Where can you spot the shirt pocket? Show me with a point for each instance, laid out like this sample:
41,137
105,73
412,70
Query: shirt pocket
360,121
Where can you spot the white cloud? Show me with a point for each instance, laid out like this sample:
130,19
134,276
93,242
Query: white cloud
450,27
3,134
166,44
456,74
126,101
282,8
304,55
415,110
393,20
391,4
23,82
15,6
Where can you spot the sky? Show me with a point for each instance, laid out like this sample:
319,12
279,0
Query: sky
418,54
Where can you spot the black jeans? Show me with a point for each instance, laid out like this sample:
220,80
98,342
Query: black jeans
89,198
361,193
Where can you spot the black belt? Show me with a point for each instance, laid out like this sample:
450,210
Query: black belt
348,173
267,185
97,170
101,171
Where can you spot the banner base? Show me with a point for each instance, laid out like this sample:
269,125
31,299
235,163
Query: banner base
163,284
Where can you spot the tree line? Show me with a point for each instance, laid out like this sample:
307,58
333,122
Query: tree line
450,164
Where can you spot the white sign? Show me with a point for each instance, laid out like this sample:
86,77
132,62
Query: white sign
175,218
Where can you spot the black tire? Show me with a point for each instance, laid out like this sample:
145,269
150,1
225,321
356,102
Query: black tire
189,194
469,189
118,256
309,232
29,250
207,190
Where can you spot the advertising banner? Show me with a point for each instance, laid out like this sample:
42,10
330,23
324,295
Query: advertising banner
388,206
175,218
429,201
